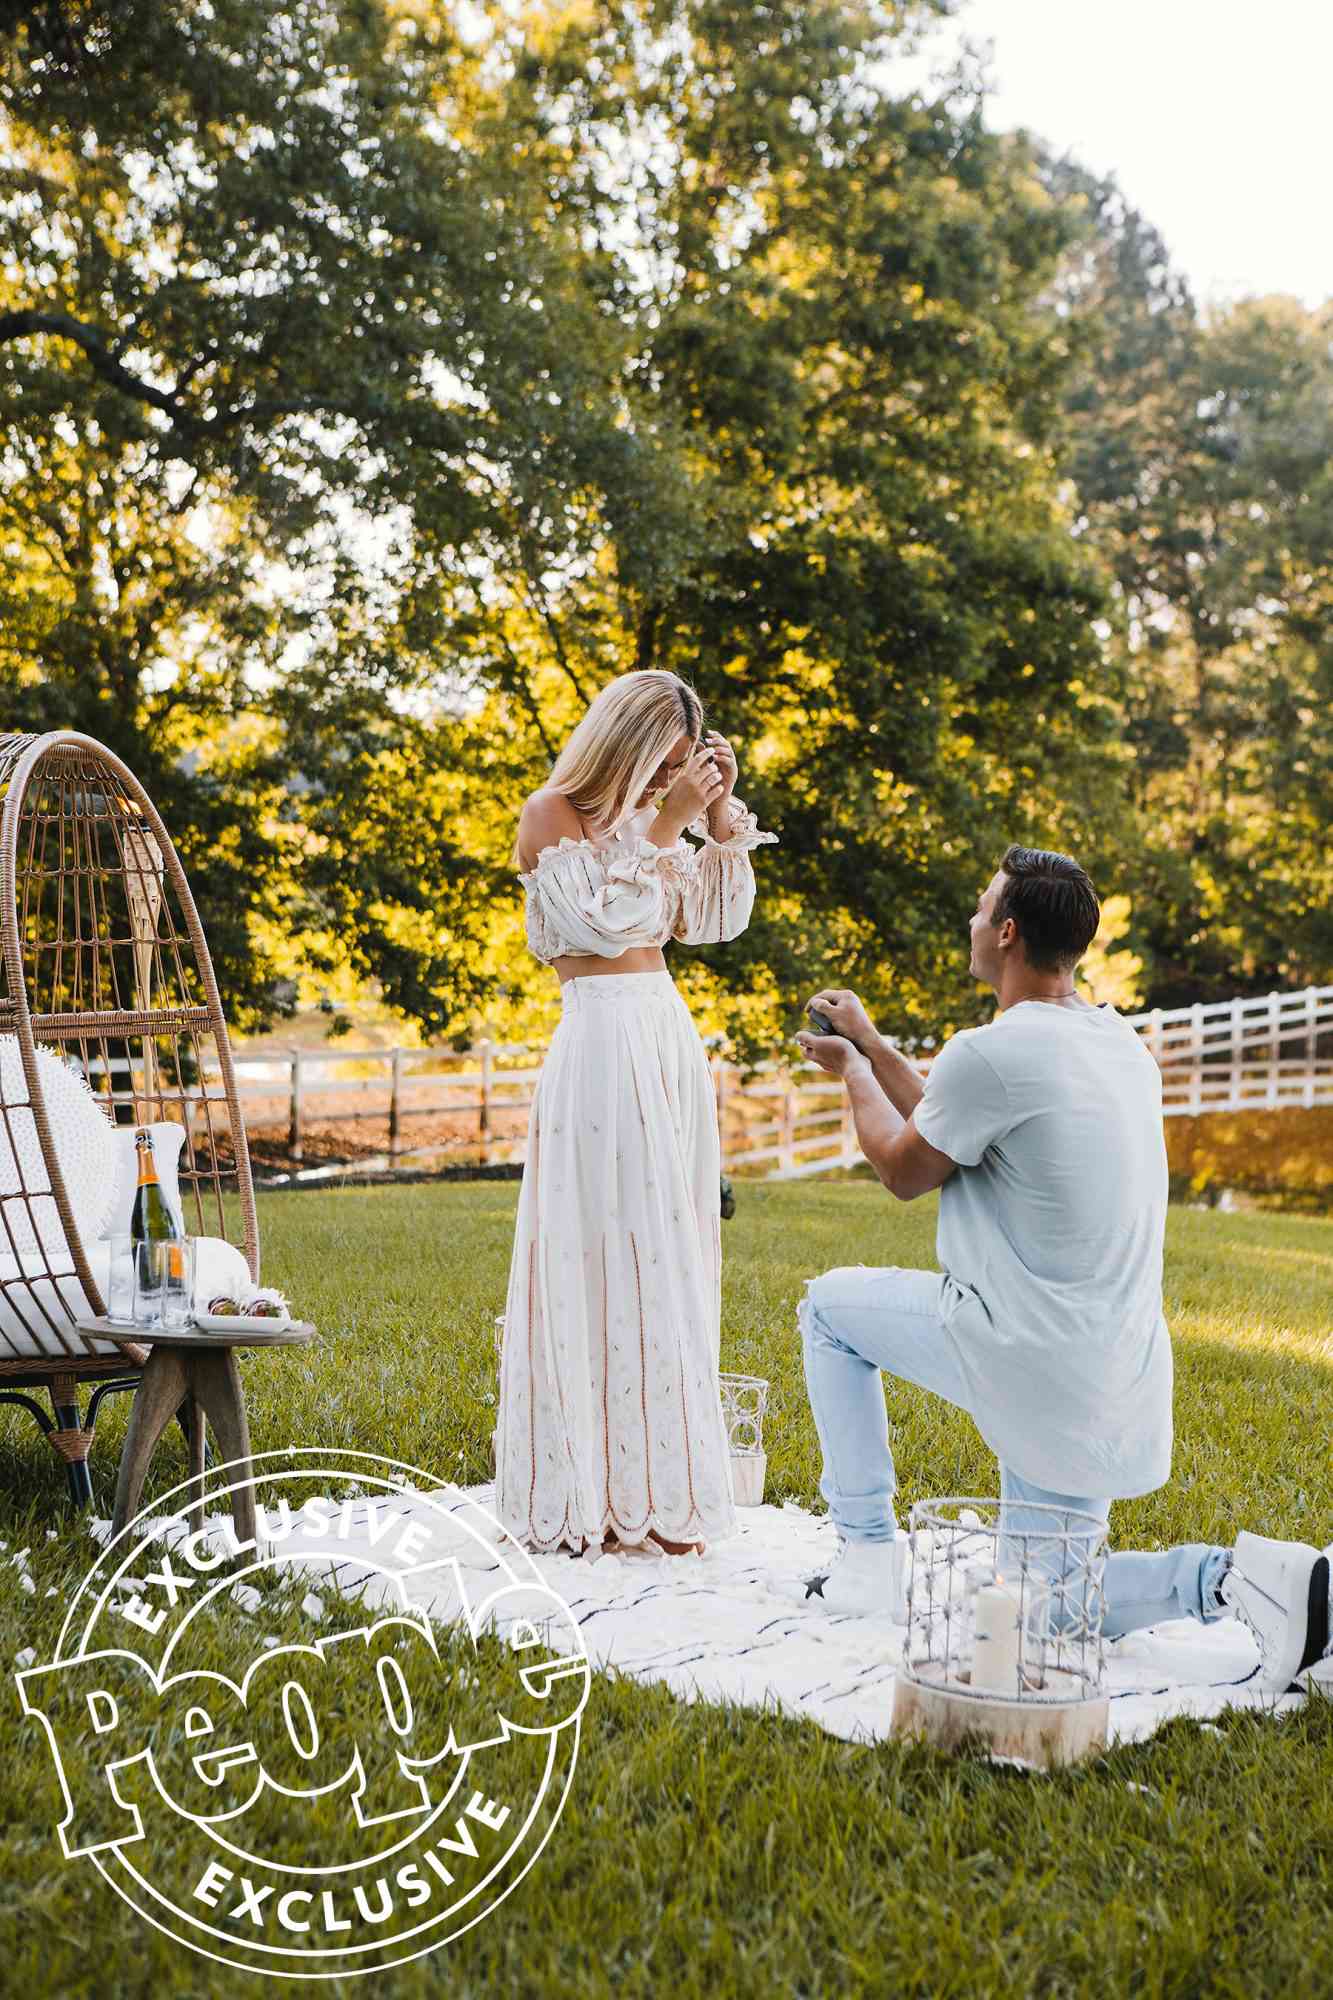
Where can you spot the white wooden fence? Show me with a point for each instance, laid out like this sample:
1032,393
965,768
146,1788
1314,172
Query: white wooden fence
1266,1053
1244,1055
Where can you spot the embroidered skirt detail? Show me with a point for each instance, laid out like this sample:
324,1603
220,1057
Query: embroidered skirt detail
610,1416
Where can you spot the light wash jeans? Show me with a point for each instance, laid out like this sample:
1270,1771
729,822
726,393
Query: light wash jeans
855,1323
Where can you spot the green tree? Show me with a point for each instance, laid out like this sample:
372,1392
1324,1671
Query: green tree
292,358
372,392
866,568
1201,452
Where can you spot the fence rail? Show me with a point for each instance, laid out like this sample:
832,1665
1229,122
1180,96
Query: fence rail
1266,1053
1229,1027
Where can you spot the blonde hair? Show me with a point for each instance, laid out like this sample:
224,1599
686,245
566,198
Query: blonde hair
621,740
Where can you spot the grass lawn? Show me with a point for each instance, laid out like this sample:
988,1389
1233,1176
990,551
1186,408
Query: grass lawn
706,1851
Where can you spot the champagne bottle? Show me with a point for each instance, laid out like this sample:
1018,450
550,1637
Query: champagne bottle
151,1221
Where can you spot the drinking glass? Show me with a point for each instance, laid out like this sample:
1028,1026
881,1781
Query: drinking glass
150,1282
178,1298
164,1283
120,1279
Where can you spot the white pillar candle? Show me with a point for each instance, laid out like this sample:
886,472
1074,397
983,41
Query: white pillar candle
996,1637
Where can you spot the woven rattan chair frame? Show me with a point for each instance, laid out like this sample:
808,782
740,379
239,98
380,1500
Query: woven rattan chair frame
103,958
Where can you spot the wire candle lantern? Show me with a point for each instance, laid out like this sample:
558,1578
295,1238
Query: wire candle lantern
1004,1629
744,1401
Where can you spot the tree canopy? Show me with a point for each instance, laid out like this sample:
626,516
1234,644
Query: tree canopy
379,378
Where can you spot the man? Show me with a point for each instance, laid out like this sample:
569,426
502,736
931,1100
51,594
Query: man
1043,1132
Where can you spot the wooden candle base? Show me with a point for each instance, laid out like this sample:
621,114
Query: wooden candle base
1043,1735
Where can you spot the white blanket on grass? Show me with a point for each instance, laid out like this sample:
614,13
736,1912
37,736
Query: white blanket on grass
733,1627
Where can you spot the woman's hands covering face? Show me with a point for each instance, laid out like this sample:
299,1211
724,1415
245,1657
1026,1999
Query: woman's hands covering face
725,758
705,777
699,785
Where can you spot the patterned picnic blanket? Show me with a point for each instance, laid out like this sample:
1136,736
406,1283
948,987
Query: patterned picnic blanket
733,1626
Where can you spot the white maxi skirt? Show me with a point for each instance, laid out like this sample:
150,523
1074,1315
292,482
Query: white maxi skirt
610,1417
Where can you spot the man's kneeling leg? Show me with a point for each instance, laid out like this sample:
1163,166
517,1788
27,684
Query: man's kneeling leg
857,1323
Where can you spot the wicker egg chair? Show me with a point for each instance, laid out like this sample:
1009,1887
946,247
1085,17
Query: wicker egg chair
106,966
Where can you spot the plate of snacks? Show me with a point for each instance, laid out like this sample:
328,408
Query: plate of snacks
260,1312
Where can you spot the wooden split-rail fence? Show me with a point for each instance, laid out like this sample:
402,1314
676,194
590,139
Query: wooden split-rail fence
1265,1053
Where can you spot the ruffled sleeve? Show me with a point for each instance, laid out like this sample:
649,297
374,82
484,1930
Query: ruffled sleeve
717,895
591,902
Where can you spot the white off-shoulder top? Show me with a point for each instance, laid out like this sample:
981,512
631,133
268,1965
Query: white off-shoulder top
603,897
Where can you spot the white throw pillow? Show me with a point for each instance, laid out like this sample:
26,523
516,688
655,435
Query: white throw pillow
84,1140
167,1138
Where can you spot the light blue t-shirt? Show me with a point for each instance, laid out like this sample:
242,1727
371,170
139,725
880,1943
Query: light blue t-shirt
1051,1235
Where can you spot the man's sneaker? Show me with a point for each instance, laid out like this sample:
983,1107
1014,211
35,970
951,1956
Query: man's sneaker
1280,1590
864,1578
1319,1674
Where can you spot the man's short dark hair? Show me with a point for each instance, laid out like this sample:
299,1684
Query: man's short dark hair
1053,903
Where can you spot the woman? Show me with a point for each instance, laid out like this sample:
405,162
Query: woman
610,1430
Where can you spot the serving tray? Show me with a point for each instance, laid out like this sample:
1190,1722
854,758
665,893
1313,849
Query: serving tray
249,1324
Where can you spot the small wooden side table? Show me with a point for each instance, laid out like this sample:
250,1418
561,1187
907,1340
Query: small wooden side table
201,1367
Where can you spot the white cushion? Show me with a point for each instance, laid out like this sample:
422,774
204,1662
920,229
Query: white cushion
166,1139
219,1267
85,1145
